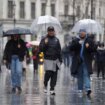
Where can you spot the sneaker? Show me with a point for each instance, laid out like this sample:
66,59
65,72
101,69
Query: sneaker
13,90
19,89
52,92
80,93
45,90
89,92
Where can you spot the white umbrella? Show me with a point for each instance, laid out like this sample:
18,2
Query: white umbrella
36,43
42,23
91,26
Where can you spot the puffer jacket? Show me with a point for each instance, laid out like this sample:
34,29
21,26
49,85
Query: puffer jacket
51,50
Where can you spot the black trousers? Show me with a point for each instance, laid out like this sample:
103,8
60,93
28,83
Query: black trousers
52,76
101,68
35,64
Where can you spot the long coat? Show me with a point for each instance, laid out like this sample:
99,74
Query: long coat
87,55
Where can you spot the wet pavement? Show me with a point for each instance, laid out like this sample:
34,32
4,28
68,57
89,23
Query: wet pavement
66,90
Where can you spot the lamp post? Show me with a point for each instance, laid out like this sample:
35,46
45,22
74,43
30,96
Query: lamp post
91,9
14,8
73,12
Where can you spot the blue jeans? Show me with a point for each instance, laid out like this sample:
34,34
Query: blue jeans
16,71
67,60
83,78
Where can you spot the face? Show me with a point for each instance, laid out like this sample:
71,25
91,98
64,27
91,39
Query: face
83,35
16,37
51,33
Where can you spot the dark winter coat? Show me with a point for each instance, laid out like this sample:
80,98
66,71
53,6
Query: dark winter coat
11,48
87,55
51,50
100,55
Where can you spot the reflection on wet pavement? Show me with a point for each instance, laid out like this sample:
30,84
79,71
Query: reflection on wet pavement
66,90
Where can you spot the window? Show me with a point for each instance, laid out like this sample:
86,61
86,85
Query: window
43,9
53,9
66,10
33,10
78,11
22,9
10,9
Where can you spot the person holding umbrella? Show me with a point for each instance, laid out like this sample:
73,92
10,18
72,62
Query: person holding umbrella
14,53
82,48
51,48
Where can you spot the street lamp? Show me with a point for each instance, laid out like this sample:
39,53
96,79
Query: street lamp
91,9
14,19
73,12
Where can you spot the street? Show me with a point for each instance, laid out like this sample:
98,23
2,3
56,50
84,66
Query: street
66,90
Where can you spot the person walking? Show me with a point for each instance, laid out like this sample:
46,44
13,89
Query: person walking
100,56
51,48
14,53
82,48
66,55
35,50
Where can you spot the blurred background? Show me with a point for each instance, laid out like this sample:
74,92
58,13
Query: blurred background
21,13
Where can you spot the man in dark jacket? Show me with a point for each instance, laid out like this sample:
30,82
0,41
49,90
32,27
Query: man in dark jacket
82,48
51,48
14,53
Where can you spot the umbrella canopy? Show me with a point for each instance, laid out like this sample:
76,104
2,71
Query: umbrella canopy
36,43
17,31
42,23
91,26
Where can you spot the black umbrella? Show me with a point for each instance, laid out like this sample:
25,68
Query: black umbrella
17,31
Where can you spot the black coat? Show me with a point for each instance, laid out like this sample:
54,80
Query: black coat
51,50
100,55
11,48
87,54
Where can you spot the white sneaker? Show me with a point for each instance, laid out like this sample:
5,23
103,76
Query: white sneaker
45,90
80,93
52,92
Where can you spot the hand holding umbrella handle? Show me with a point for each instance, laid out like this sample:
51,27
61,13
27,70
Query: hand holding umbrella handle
4,61
19,45
87,45
46,40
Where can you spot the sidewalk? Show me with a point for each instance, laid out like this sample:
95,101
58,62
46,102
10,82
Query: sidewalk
66,90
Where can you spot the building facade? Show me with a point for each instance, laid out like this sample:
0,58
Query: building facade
21,13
